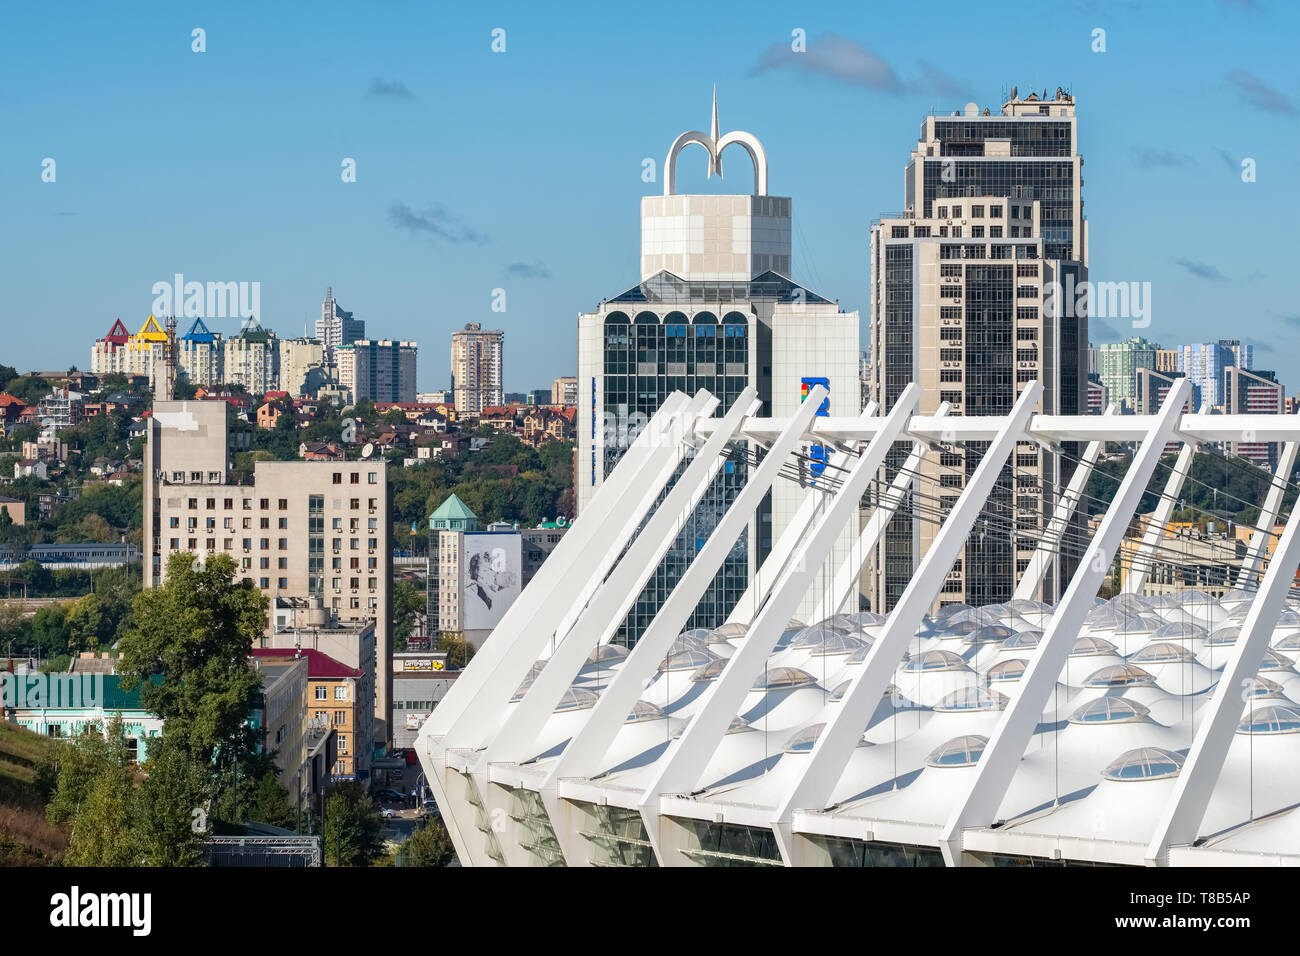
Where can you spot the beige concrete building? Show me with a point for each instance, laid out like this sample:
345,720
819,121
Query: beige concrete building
298,358
564,391
377,369
284,720
252,358
477,368
300,530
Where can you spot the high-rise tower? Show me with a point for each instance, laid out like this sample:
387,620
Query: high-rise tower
972,296
715,309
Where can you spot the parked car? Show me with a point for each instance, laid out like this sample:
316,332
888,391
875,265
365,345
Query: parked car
388,795
388,813
429,806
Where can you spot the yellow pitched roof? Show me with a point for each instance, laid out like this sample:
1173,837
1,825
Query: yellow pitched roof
151,331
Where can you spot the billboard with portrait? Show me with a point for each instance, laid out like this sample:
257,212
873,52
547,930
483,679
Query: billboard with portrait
491,577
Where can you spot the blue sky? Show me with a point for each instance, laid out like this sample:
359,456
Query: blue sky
522,170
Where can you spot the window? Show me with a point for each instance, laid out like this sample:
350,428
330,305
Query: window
977,232
175,522
283,524
373,477
320,692
343,743
284,504
283,583
338,478
943,212
263,583
995,232
264,504
264,524
995,212
263,563
354,504
341,692
977,212
355,478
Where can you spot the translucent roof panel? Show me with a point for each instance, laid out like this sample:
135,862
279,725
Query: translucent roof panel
1023,640
1288,618
840,690
783,678
1119,675
1272,719
607,653
972,698
1224,636
958,752
860,655
951,610
1289,643
576,698
531,676
1163,652
1092,647
1262,687
1273,661
958,628
1008,670
709,671
835,644
687,659
990,634
643,711
929,661
803,741
1181,631
1109,710
728,632
814,634
1145,763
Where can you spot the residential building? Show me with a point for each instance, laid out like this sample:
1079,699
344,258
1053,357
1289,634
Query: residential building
252,358
1257,393
298,530
11,410
380,370
15,508
441,397
281,716
564,391
715,309
1186,559
302,364
336,326
1152,387
30,468
59,410
339,700
451,516
1097,397
477,368
119,353
972,297
1118,364
1167,360
1204,364
201,355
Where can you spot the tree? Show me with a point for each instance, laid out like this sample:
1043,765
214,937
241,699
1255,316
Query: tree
86,623
408,600
172,806
353,826
429,846
50,630
196,632
270,803
95,791
459,651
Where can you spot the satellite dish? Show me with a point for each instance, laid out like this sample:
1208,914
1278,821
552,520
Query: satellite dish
972,109
368,450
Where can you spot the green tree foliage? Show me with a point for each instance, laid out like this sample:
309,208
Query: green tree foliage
408,600
459,651
429,846
28,388
196,631
353,826
1230,488
169,830
95,793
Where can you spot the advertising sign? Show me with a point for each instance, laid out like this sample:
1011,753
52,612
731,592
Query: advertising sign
491,576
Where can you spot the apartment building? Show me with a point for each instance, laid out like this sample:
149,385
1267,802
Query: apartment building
299,530
477,368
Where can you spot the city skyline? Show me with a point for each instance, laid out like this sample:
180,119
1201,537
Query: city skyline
457,196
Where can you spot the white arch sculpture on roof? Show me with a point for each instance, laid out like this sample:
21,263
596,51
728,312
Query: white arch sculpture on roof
1156,730
715,144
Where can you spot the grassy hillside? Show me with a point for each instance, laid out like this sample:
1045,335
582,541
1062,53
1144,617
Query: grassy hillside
26,838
